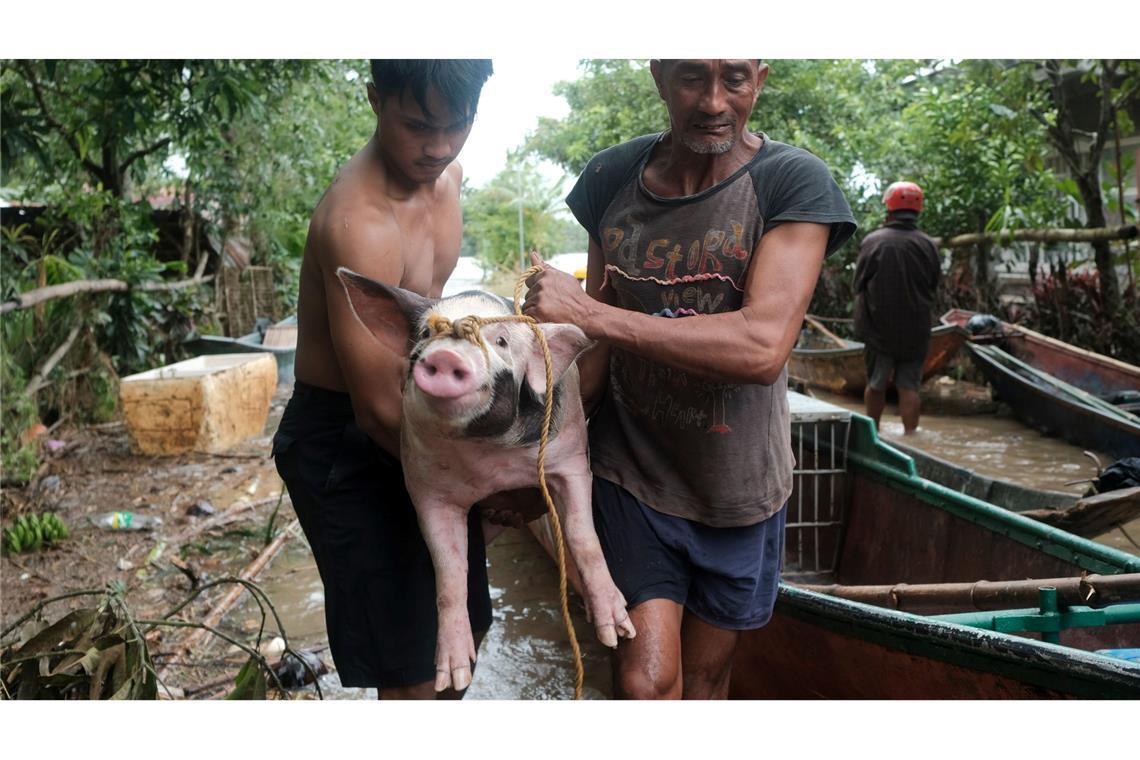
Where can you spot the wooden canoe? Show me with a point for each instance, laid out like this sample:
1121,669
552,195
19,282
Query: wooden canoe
1056,408
860,518
842,370
1086,517
1093,373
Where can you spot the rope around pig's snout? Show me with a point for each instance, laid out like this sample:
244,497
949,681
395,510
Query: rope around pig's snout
470,328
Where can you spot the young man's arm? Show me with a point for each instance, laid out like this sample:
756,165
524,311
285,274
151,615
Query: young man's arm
750,345
365,241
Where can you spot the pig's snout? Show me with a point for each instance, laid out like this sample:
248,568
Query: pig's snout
444,374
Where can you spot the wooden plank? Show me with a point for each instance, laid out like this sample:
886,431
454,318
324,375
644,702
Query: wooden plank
280,336
1094,515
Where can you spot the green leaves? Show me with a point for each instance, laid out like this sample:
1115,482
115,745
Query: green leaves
250,682
89,653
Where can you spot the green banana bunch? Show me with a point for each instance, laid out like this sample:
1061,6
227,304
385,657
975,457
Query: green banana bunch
33,532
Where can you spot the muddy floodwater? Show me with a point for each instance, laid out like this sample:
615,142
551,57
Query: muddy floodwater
526,654
998,446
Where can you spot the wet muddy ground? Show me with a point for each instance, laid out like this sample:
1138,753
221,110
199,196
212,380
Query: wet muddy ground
526,654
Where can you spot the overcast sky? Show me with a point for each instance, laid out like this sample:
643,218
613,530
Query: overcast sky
514,97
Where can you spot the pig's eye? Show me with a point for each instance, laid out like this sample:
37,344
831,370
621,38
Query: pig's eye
501,342
425,333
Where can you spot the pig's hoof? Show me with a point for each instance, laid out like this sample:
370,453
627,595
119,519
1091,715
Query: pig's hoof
611,621
453,663
458,678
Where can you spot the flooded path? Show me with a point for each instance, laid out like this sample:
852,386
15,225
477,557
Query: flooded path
526,654
999,447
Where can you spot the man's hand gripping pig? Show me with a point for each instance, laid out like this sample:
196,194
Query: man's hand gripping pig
471,422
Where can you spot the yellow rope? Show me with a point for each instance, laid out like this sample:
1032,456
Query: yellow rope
469,328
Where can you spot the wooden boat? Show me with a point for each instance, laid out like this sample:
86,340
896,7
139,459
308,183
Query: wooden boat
1094,373
1088,517
841,370
279,339
861,521
1056,408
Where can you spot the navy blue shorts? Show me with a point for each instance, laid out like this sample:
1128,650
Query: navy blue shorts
727,577
377,573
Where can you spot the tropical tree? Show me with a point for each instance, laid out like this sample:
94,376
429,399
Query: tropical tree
1117,87
234,147
518,209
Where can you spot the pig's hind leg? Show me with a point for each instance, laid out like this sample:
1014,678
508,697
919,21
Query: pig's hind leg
605,604
444,527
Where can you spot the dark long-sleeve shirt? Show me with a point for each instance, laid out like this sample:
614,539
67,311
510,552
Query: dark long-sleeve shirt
896,277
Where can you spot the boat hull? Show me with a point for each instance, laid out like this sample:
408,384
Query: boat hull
1058,414
1093,373
820,647
842,370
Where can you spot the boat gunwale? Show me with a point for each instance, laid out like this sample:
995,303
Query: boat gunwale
1028,660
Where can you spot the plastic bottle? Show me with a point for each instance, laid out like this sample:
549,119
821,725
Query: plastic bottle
126,521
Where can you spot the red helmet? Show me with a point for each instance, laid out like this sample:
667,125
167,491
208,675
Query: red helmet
903,195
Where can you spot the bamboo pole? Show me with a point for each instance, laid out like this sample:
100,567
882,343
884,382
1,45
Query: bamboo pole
250,573
816,324
1123,232
1090,590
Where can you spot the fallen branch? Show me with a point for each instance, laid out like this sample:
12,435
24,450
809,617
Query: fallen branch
1123,232
63,290
208,626
39,380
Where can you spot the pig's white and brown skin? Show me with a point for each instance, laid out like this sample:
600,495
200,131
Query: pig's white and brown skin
483,439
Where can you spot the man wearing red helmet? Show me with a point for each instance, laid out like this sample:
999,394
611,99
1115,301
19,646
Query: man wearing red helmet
896,277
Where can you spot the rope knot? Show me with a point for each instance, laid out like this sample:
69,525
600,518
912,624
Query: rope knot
465,328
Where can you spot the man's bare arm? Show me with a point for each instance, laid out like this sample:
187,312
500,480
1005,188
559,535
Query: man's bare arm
364,240
594,365
750,345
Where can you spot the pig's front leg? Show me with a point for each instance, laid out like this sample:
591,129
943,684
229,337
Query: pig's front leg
444,527
605,604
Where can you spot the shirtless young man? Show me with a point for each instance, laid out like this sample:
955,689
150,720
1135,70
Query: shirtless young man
392,214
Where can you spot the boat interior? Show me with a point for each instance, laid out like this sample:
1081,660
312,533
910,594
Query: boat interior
859,517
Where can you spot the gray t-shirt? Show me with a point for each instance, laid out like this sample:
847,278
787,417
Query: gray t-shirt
716,453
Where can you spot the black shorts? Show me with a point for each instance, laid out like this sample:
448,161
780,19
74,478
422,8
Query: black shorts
727,577
379,582
882,367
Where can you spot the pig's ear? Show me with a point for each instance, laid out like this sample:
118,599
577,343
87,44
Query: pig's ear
566,342
387,311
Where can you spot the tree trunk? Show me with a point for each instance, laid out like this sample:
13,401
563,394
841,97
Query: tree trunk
1089,186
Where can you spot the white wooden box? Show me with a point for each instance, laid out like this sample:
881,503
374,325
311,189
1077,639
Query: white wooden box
205,404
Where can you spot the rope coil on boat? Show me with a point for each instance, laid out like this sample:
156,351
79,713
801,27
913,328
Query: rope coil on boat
470,328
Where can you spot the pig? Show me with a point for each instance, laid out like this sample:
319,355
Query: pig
470,427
